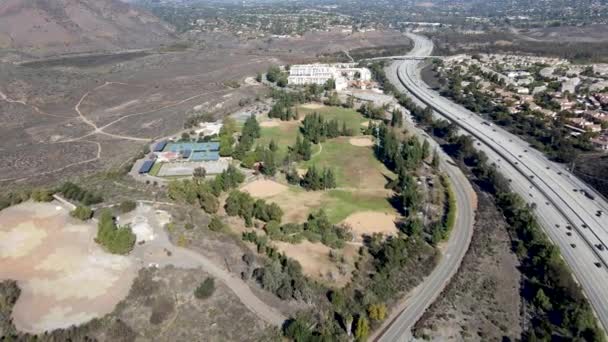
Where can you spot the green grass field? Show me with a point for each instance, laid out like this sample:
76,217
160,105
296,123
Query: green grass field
285,134
155,169
339,204
354,166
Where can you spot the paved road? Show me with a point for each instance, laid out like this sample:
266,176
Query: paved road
549,186
408,311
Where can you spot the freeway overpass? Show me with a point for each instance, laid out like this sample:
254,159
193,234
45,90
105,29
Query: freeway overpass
554,191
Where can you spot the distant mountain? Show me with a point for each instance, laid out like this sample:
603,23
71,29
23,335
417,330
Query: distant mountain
51,27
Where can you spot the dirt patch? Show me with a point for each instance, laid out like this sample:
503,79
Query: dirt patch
317,263
370,222
52,256
264,188
312,106
482,302
270,123
361,141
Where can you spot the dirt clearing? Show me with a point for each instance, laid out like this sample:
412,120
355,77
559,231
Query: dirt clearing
264,188
65,277
370,222
361,141
312,106
317,263
270,123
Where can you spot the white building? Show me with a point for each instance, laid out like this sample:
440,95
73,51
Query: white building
303,74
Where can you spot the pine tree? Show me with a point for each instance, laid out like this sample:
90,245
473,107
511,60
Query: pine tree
273,146
362,330
435,162
425,149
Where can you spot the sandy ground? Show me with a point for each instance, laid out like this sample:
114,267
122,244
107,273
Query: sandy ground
312,106
361,141
65,277
264,188
316,262
370,222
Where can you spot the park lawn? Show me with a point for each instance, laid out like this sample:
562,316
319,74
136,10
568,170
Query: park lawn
354,166
353,119
340,204
283,135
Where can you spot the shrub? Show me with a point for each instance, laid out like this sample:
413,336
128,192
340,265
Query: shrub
205,289
216,224
82,213
42,195
127,206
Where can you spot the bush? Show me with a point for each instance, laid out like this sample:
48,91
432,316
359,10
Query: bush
216,224
115,239
127,206
82,213
205,289
42,195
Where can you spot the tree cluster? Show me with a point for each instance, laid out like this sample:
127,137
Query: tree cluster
279,275
242,204
76,193
205,193
251,131
318,179
316,129
115,239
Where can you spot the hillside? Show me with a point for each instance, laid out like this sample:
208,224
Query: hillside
52,27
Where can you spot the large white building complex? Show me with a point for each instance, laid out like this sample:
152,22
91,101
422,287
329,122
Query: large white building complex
343,73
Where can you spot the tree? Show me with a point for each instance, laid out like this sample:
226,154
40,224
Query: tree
199,173
435,162
397,118
330,84
273,146
205,289
377,312
542,301
42,195
362,329
269,167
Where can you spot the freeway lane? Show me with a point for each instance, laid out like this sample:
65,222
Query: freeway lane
547,184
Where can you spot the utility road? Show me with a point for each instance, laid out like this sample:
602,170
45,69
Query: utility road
572,214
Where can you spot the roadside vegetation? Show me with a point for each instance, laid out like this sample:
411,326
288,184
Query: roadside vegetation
558,307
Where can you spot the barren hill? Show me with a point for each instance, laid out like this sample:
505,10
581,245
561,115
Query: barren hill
51,27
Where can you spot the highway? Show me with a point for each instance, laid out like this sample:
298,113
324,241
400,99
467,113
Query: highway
554,191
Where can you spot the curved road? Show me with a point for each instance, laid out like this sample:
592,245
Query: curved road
568,217
408,312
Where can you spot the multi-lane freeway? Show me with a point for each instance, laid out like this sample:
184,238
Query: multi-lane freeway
576,223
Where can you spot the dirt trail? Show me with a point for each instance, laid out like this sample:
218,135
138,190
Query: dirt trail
154,253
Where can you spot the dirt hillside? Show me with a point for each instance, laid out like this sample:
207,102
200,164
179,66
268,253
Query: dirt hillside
51,27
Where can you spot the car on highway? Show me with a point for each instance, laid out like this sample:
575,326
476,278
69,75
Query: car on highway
598,213
573,245
569,233
598,265
600,246
569,227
